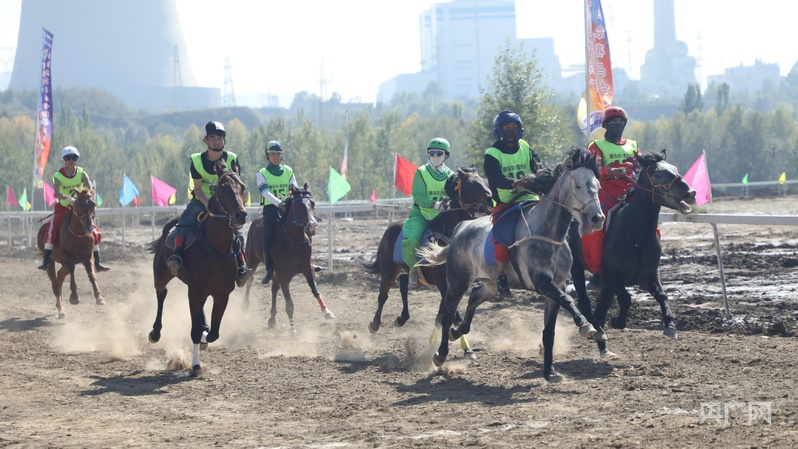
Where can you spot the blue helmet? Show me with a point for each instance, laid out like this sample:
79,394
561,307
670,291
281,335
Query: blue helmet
506,117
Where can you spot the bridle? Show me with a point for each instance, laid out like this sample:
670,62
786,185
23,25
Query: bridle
666,187
470,208
231,222
80,218
294,217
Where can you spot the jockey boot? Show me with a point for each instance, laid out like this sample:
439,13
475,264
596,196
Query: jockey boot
595,282
175,261
412,280
269,274
97,265
503,288
243,273
45,259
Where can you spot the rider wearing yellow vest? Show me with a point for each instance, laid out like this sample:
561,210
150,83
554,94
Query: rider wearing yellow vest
204,180
508,160
274,184
428,192
614,155
65,181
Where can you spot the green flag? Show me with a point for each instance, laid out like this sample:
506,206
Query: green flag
745,179
23,200
337,186
99,199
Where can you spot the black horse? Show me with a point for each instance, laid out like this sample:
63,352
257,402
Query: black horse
468,195
632,247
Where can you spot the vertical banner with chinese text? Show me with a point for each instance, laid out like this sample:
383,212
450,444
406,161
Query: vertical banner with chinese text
44,119
598,70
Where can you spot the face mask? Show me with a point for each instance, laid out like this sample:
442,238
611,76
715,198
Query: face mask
437,161
614,131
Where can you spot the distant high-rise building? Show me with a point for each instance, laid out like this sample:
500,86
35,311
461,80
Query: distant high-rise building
459,43
130,49
748,78
668,69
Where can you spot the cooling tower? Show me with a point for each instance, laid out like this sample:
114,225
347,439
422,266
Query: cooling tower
133,49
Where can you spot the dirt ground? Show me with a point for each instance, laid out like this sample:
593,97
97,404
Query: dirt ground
93,380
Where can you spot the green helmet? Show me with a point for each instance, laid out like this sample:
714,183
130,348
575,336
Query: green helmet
439,143
274,147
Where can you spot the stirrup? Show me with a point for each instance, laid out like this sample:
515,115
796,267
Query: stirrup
242,275
174,263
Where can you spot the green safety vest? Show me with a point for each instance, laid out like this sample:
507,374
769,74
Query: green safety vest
435,188
68,184
611,152
514,166
209,180
278,184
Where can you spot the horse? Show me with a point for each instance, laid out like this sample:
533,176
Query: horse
632,248
209,266
540,258
291,252
75,245
468,195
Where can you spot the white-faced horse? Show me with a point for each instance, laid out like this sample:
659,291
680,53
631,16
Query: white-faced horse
540,258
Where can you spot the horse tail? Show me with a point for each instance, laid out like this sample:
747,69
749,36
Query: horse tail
372,267
152,246
432,254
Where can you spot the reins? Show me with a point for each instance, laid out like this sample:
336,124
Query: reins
80,220
295,220
653,190
202,216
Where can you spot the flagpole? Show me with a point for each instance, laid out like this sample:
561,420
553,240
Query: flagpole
706,168
587,70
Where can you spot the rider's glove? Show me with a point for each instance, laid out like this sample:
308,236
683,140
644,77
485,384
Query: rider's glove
71,200
281,206
439,206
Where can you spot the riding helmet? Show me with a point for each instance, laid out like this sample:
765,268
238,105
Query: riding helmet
69,150
214,128
506,117
439,143
274,147
612,112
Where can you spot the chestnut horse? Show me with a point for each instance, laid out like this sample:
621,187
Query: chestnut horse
291,252
75,245
468,195
209,265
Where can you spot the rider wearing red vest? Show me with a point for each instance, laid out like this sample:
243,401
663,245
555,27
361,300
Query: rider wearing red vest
65,180
613,155
508,160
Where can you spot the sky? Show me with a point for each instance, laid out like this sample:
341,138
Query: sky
351,46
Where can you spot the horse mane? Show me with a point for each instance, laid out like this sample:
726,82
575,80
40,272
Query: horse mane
542,181
651,158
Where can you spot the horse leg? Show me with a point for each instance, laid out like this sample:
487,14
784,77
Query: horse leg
273,311
245,303
317,294
600,317
446,312
57,281
476,298
549,324
544,283
289,304
219,306
404,281
196,302
656,290
73,286
155,334
387,280
98,295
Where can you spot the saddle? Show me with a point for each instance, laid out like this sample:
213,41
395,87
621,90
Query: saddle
397,248
190,238
503,230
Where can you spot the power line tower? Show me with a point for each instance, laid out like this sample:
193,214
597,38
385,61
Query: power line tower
177,81
229,98
698,60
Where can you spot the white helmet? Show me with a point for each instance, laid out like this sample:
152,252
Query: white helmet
69,150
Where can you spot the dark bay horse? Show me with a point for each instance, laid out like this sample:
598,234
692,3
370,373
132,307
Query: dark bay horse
468,195
209,265
75,245
540,258
632,247
291,252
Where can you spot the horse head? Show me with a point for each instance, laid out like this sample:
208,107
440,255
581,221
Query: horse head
577,189
664,182
301,210
228,200
85,207
469,191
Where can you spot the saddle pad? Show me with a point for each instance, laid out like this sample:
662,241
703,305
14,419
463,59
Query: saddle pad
170,239
490,250
504,228
397,248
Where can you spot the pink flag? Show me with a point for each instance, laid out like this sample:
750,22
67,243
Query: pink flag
49,194
698,178
11,199
161,192
374,196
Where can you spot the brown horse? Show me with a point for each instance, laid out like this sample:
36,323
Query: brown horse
209,265
468,195
291,252
74,246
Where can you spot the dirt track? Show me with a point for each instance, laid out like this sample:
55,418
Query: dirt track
93,380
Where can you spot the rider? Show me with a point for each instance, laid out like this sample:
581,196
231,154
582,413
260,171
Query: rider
613,156
428,192
65,180
508,160
204,178
274,183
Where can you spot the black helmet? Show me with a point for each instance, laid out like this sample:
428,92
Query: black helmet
214,128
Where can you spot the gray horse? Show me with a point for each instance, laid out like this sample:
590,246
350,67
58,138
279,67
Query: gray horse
540,257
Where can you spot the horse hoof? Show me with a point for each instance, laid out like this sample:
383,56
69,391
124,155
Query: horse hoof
203,345
607,354
61,315
587,330
399,322
469,354
74,301
553,377
328,314
100,302
271,323
196,370
671,333
154,337
293,329
600,336
453,335
438,360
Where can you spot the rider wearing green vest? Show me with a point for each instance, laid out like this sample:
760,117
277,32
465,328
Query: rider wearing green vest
615,155
65,181
274,183
428,192
508,160
204,180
